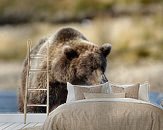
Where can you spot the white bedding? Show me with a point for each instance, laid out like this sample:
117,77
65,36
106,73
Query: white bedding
128,100
106,114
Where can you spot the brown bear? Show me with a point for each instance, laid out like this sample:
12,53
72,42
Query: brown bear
72,58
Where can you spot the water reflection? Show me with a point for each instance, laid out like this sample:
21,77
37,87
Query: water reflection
9,100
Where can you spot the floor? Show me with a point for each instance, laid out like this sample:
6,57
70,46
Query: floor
17,126
15,121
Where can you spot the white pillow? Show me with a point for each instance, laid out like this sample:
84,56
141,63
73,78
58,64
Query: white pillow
144,92
105,88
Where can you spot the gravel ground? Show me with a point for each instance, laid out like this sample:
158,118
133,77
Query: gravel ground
118,73
151,72
10,75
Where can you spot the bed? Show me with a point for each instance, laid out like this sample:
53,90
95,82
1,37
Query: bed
106,106
106,114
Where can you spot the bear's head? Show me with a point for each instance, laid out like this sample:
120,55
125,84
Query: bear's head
82,63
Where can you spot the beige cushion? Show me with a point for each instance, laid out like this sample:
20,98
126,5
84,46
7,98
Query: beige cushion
131,91
144,92
79,91
103,95
76,92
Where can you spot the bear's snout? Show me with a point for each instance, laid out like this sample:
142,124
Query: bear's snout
103,79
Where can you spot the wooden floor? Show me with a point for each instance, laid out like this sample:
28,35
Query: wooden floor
16,121
18,126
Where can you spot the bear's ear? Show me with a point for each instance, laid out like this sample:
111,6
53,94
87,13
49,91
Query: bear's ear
70,53
105,49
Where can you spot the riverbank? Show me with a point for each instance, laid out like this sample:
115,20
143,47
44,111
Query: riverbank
10,74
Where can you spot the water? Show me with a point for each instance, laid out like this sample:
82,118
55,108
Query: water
156,97
9,101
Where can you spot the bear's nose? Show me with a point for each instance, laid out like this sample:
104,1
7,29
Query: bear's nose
103,79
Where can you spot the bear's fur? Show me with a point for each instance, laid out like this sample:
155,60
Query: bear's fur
72,58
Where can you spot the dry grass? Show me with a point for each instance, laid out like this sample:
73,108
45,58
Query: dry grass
134,38
136,55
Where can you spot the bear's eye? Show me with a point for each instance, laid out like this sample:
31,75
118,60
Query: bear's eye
70,53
